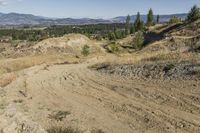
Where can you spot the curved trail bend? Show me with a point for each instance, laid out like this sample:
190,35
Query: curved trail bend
108,102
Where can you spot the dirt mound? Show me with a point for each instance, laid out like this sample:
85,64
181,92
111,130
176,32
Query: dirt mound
72,43
165,71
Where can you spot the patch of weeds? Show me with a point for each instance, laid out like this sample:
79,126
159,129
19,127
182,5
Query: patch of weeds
168,67
99,66
59,116
3,105
2,71
197,69
85,50
23,93
18,101
62,130
113,48
97,131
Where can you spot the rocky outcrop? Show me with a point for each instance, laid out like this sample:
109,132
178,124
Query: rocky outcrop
165,71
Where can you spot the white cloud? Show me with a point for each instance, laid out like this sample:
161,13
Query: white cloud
6,2
3,2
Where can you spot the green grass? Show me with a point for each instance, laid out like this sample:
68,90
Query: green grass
197,69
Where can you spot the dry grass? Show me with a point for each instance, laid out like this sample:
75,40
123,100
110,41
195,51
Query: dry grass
8,66
11,65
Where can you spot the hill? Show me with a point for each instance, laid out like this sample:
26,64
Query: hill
49,86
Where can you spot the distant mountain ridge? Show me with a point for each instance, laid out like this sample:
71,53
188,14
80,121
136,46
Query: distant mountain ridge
163,18
29,19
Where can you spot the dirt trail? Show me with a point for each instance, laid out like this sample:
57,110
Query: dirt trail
108,102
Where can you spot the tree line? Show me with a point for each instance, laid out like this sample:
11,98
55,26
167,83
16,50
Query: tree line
98,31
139,25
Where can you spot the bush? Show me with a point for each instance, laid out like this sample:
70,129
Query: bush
111,36
113,48
86,50
138,41
174,20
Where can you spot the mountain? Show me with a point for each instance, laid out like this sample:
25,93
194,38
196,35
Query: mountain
163,18
29,19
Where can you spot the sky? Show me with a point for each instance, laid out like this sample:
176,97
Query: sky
95,8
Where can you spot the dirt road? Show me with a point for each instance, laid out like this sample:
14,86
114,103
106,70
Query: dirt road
108,102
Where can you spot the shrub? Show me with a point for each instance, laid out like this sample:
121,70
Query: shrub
138,41
86,50
197,69
113,48
111,36
174,20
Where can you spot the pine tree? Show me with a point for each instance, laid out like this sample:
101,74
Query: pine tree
158,19
150,18
127,28
132,31
194,14
138,24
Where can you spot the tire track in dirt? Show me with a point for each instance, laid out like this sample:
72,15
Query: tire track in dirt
112,103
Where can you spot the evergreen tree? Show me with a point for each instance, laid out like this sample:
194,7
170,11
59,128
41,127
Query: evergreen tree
194,14
132,31
138,24
150,18
127,27
158,19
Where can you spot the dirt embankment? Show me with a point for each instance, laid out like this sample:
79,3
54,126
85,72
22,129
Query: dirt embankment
71,43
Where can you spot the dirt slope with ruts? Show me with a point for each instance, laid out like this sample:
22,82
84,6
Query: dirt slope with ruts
99,101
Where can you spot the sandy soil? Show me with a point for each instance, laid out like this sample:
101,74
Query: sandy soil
99,101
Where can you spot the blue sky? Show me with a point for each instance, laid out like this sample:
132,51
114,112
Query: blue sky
95,8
